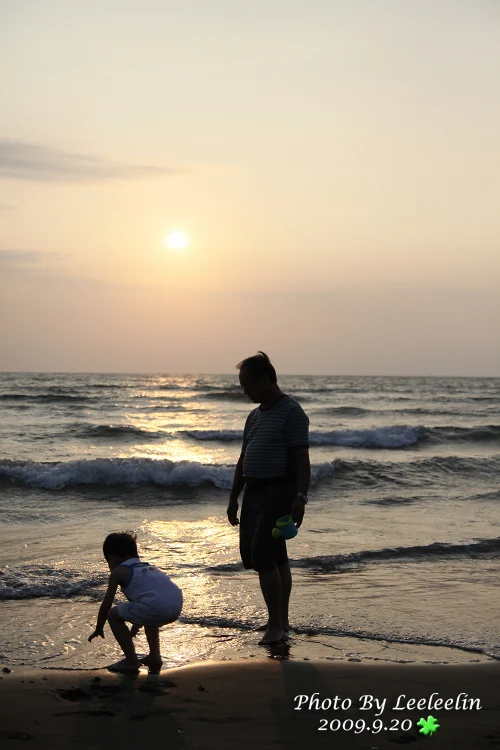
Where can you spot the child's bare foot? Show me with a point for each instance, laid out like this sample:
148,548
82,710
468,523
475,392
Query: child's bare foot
153,664
272,635
125,665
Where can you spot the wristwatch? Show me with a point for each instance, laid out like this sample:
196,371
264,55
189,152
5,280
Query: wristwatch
304,497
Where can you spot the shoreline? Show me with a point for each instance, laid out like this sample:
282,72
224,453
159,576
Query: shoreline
252,703
28,623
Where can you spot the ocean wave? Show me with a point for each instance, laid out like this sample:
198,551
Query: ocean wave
319,630
129,472
121,386
441,550
342,411
113,431
334,389
33,582
176,406
381,437
423,411
399,499
203,385
348,474
418,553
403,436
226,395
457,399
390,437
222,435
481,434
417,411
417,473
496,399
237,395
116,471
493,495
168,387
44,398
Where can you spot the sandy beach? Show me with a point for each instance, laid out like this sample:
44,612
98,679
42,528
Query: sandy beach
253,703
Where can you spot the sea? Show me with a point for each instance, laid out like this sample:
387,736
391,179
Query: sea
397,560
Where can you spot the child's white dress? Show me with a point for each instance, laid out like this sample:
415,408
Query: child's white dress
153,598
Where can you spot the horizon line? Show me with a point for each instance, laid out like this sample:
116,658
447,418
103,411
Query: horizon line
283,374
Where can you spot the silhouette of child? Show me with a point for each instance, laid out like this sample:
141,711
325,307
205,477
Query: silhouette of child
153,600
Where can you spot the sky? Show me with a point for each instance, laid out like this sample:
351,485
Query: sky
334,164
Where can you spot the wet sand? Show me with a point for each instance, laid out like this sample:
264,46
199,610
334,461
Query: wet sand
250,704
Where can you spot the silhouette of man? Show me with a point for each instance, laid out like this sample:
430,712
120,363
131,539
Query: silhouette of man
274,469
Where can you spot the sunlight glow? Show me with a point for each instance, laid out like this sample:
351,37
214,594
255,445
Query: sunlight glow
177,240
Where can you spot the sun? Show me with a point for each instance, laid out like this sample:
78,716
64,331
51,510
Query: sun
177,240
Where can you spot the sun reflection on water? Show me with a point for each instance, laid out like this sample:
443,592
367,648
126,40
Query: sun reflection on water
189,551
195,544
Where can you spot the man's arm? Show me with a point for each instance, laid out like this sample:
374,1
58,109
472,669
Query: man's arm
238,484
302,469
302,479
116,577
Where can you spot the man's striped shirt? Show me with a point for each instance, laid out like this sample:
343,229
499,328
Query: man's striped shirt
269,437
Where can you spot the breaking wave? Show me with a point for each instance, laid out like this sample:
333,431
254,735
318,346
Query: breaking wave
129,472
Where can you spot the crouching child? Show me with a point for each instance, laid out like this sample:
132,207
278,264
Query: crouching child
153,600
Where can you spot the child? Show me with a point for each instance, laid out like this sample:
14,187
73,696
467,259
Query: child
153,600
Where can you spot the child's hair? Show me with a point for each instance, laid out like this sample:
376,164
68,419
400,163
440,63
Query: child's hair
122,545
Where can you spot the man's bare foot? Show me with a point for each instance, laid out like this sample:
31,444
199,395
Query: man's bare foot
286,627
125,665
272,635
153,664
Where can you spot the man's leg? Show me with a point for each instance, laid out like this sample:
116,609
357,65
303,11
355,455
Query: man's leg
286,587
283,499
270,584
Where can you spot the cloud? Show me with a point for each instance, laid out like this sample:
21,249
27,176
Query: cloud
28,161
31,265
18,259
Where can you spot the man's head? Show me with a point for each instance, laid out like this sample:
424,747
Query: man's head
257,377
119,547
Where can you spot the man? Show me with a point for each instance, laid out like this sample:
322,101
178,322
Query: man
274,468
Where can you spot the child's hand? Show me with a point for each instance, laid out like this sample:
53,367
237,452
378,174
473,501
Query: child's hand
134,630
97,631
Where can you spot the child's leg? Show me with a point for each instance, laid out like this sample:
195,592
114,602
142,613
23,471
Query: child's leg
153,660
124,638
153,636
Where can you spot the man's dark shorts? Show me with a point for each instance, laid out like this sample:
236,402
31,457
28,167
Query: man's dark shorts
262,505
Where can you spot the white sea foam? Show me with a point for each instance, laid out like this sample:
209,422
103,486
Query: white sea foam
379,437
118,471
32,582
130,472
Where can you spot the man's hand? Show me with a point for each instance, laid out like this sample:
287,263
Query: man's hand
97,631
232,512
134,630
298,509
